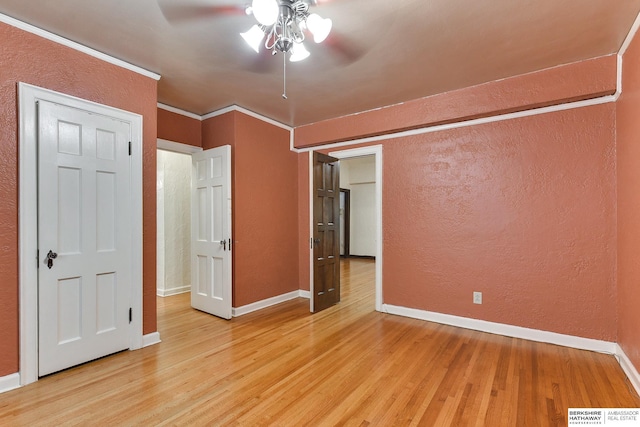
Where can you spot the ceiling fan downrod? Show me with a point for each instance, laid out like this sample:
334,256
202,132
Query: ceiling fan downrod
284,77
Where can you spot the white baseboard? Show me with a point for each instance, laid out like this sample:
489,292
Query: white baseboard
173,291
259,305
304,294
9,382
503,329
628,368
151,339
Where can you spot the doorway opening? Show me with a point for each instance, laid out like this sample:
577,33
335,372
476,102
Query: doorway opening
358,184
173,186
173,223
194,225
371,238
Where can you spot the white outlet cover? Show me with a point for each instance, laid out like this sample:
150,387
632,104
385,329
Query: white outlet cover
477,297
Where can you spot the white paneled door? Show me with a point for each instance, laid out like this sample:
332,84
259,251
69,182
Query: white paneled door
211,242
84,236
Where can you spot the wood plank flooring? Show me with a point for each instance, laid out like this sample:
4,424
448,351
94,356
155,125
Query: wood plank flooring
348,365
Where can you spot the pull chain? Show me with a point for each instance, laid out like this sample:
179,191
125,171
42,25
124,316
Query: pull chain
284,75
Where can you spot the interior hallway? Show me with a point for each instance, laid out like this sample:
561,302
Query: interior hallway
346,365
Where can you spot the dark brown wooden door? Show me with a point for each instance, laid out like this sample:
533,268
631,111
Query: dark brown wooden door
326,231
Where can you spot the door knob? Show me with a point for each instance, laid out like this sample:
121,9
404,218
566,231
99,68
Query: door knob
49,258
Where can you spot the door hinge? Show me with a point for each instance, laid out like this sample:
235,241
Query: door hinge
130,314
38,258
129,147
311,241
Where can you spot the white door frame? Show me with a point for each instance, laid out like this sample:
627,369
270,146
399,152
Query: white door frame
177,147
28,96
376,151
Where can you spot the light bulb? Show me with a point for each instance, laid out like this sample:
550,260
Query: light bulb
253,37
298,52
319,27
265,11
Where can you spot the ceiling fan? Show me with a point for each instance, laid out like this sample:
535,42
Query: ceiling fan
281,27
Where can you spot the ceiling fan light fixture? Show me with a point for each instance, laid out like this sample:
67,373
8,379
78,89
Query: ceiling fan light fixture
298,52
319,27
265,11
253,37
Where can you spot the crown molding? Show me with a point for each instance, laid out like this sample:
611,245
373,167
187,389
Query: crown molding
248,113
179,111
76,46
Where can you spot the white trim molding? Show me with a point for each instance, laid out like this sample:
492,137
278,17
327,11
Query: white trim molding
177,147
76,46
310,247
173,291
151,339
28,96
9,382
259,305
248,113
304,294
504,329
628,368
179,111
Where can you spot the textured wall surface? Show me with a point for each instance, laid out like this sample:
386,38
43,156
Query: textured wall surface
266,212
265,219
218,131
521,210
174,221
571,82
178,128
27,58
628,151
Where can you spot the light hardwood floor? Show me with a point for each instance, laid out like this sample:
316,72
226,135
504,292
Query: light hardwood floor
347,365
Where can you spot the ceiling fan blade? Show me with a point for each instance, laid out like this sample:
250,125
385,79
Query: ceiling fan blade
345,50
321,2
263,62
180,12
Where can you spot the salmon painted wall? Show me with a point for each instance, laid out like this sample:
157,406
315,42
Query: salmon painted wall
266,231
220,130
34,60
628,151
179,128
265,205
522,210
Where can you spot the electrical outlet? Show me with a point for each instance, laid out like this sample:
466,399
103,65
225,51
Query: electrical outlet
477,297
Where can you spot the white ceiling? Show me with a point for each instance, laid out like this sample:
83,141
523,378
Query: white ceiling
399,50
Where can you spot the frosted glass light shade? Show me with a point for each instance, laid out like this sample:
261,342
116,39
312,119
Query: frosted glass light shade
265,11
298,52
319,27
253,37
